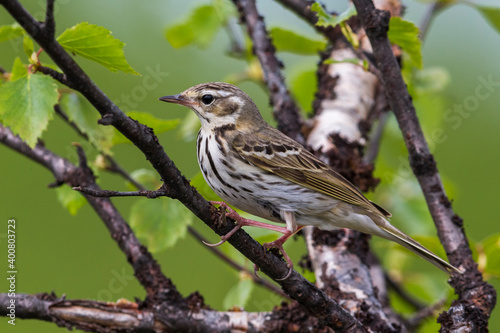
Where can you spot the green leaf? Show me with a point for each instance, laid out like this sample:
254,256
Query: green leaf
491,14
85,117
70,199
405,34
199,28
289,41
96,43
325,19
10,31
159,222
18,70
239,294
28,47
158,125
27,105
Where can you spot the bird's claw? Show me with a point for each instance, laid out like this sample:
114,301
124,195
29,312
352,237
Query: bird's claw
289,263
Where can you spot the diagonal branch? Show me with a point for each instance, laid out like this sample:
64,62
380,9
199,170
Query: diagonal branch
286,110
472,290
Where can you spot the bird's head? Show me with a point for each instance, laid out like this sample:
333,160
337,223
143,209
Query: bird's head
218,104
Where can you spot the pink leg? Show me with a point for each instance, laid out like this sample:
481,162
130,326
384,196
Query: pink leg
247,222
242,222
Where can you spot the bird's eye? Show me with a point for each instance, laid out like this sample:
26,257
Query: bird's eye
207,99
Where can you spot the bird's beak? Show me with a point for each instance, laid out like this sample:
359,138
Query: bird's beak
177,99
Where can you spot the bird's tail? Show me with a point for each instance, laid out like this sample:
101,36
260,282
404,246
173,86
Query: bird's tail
394,234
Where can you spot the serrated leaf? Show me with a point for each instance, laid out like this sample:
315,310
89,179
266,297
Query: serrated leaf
289,41
199,28
18,70
70,199
491,14
158,125
27,105
406,35
97,44
325,19
10,31
159,222
28,46
85,117
239,294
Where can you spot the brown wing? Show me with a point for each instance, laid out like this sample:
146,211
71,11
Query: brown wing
274,152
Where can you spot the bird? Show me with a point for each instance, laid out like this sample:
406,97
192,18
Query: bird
258,169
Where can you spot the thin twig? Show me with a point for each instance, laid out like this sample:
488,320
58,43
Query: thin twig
60,77
109,194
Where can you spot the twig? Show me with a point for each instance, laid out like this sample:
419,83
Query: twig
286,110
109,194
323,307
469,286
60,77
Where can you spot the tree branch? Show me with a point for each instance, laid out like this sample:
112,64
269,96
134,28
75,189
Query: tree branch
125,316
143,137
472,290
286,110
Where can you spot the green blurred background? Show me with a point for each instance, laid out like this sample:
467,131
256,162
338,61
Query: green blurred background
74,255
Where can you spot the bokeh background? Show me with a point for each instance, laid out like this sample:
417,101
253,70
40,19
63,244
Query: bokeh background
75,256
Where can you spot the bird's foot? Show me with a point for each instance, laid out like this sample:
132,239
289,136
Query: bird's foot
279,245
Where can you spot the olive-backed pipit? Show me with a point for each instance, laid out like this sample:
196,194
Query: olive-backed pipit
259,170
